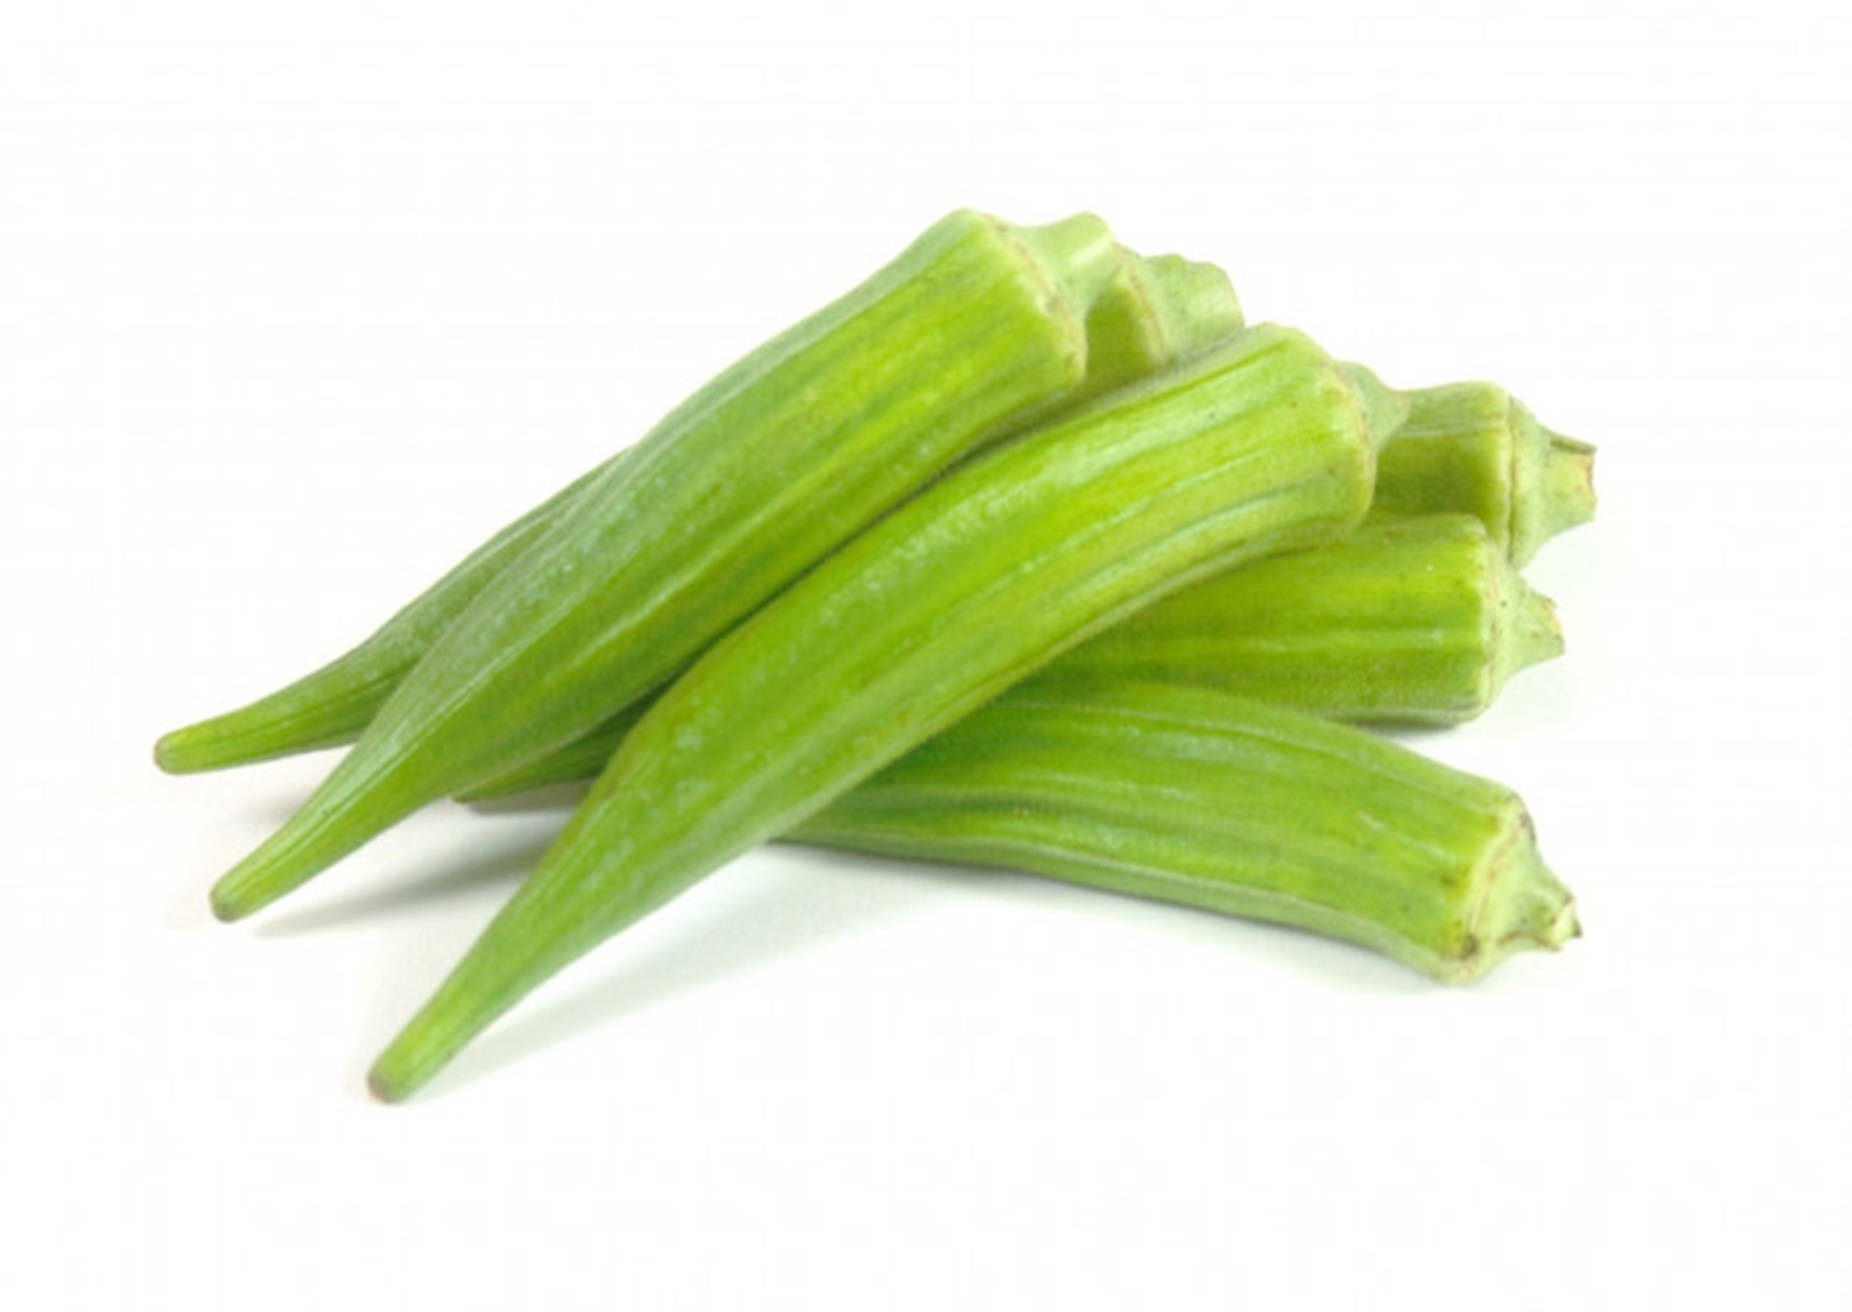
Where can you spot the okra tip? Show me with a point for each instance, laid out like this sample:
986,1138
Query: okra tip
211,744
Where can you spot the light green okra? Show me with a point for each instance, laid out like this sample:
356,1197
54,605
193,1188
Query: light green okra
1265,445
1195,796
740,490
1418,620
1150,314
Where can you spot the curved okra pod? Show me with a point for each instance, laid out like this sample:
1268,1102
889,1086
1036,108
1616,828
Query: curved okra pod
1263,446
743,488
1148,316
1194,796
1474,447
1415,621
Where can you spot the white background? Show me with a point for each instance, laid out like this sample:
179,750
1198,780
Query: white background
297,302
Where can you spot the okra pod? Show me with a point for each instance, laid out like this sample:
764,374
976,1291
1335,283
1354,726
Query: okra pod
1195,796
1151,314
1411,621
1416,621
737,492
1265,445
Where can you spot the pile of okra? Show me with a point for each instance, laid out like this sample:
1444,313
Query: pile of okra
1027,552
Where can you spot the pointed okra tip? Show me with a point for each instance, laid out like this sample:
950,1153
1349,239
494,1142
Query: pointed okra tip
255,882
189,750
452,1016
230,903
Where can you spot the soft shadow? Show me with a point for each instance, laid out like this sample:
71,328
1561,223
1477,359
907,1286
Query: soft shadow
498,863
554,797
1330,961
767,919
771,921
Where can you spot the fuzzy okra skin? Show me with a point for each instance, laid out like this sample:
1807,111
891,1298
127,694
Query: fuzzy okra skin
1152,313
1263,446
1195,796
1474,447
1411,621
737,492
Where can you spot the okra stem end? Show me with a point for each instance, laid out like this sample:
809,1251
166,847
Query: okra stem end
1533,633
1195,304
1385,407
1522,905
1568,482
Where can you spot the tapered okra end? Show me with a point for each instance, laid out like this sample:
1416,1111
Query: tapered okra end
231,902
394,1077
1522,906
1385,407
441,1027
400,1071
211,745
251,885
172,754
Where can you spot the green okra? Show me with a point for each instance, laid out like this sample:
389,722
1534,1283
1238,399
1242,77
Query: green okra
1474,447
1412,621
739,491
1195,796
1265,445
1150,314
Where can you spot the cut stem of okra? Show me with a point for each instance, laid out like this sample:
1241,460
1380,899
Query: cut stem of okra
1193,796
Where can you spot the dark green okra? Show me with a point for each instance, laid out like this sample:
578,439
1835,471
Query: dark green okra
1194,796
1264,446
1418,620
740,490
1151,314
